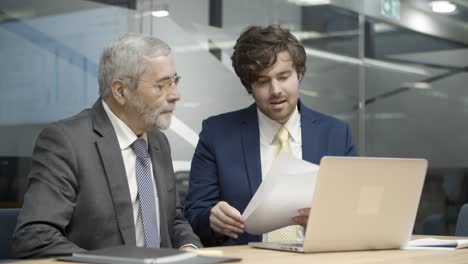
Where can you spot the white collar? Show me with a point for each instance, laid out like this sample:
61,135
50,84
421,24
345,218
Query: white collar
269,127
125,135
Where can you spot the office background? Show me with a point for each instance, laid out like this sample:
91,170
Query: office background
395,70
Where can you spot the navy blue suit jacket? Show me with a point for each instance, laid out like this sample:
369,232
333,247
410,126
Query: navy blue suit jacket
226,165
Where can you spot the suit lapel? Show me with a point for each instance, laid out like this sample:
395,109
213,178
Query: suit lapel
161,183
109,151
309,134
251,147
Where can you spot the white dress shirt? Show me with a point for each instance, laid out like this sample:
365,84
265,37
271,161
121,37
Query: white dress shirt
126,137
269,144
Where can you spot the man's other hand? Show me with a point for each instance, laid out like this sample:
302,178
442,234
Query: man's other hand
303,217
226,220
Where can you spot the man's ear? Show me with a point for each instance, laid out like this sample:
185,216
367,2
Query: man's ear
118,88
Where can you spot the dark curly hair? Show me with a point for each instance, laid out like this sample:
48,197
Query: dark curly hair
257,48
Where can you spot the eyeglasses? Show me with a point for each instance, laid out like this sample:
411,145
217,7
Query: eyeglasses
162,85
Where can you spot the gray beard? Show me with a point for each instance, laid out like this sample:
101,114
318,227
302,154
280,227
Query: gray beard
152,119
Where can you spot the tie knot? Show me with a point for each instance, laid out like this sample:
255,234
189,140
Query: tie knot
282,135
140,148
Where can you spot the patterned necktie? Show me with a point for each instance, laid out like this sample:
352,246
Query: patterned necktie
146,193
288,233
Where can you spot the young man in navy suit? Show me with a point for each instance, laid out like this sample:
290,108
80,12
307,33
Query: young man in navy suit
236,149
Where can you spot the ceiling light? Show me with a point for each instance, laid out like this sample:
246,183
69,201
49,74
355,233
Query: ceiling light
309,2
161,11
417,85
443,7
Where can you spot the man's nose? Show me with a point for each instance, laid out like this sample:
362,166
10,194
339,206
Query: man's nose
174,94
275,87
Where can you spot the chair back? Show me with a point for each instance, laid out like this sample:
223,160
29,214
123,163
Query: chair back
8,218
462,222
434,225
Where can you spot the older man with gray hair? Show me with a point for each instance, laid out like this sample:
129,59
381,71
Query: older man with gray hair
104,177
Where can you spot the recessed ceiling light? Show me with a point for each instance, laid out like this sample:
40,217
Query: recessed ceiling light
309,2
160,13
161,10
443,7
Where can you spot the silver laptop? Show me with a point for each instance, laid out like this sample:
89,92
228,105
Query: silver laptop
361,204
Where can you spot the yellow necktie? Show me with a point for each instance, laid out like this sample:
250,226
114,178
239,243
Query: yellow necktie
288,233
283,139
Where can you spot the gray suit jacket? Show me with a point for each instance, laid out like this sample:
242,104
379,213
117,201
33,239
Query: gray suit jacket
78,196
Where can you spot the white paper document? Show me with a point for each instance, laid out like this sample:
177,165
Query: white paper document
437,244
288,187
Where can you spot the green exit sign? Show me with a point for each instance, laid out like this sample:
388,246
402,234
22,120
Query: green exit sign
390,8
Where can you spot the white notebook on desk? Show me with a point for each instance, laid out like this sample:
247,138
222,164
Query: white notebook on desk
431,243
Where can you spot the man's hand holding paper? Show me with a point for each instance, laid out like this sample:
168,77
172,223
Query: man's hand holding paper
286,189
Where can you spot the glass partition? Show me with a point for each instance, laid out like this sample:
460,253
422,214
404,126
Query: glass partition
419,109
396,78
